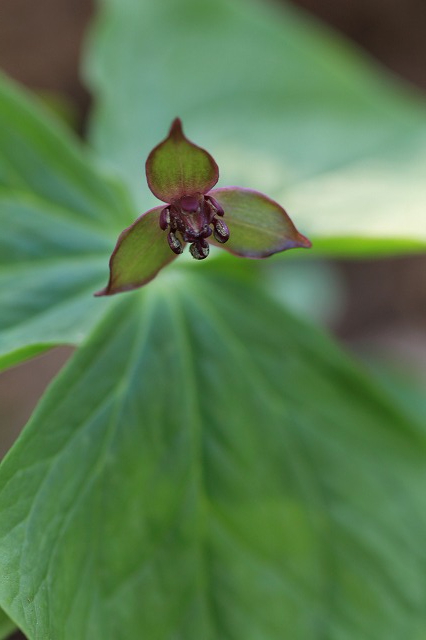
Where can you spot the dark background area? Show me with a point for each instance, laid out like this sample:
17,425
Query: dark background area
40,44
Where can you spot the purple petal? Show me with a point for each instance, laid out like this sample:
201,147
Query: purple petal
258,226
177,167
141,251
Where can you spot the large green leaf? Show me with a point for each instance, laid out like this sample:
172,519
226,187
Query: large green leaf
38,154
283,105
6,626
206,466
59,218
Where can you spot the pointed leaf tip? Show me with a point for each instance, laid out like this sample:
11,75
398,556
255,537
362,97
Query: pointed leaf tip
259,226
176,129
303,242
177,167
141,252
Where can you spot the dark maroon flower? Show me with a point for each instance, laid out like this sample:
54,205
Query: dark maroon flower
181,174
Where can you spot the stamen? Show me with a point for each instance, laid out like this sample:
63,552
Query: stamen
221,231
174,243
216,205
165,218
199,249
193,218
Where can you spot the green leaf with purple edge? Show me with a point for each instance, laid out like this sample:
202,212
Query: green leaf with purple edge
141,251
177,167
259,226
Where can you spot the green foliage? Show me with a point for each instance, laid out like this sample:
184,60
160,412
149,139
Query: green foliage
259,226
284,107
222,475
207,465
59,218
141,251
177,167
6,626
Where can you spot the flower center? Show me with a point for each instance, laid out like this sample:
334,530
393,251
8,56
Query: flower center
193,219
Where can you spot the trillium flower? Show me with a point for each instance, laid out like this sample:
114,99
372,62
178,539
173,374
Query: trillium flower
182,175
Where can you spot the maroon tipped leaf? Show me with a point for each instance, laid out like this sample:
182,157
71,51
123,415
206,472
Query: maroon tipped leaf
141,251
258,226
177,167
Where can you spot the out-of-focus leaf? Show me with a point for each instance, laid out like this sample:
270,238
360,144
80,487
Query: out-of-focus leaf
38,154
285,107
400,378
183,479
50,267
6,626
59,219
312,289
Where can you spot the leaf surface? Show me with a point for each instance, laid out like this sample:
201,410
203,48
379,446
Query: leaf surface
6,626
39,155
177,167
141,251
285,107
59,217
183,480
258,226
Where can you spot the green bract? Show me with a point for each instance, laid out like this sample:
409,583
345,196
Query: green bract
182,174
177,167
139,254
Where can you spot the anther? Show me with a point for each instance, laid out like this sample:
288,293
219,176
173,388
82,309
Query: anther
174,243
216,205
165,218
199,249
221,231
